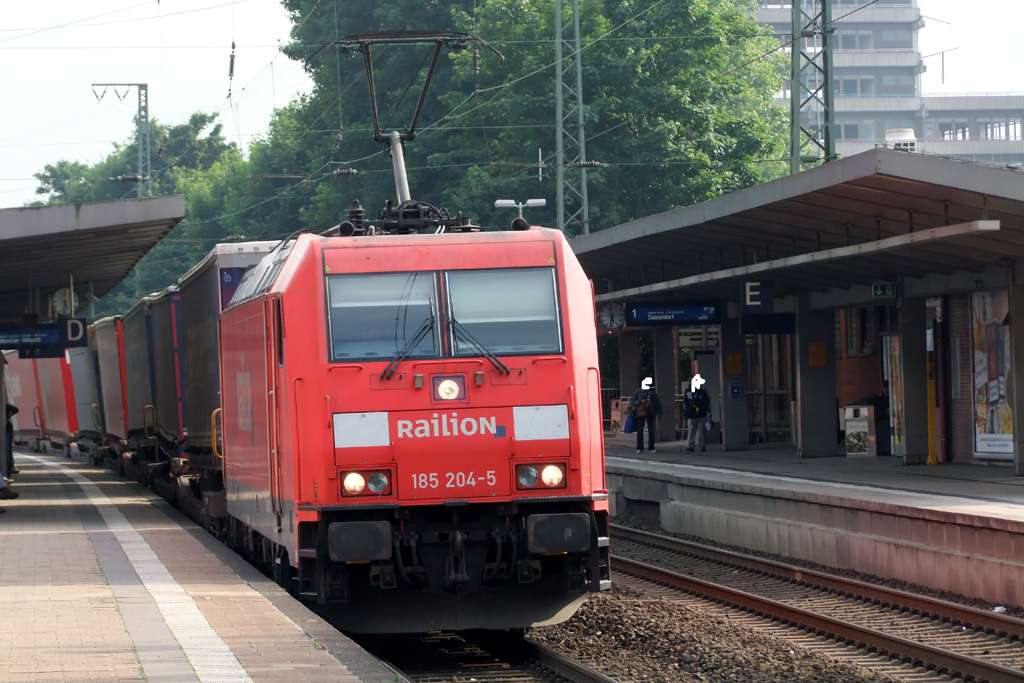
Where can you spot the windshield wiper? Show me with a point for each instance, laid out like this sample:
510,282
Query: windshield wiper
407,350
457,327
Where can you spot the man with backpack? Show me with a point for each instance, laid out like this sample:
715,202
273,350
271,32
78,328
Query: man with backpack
696,412
646,409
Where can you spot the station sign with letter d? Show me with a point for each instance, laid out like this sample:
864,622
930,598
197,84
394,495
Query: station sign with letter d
46,337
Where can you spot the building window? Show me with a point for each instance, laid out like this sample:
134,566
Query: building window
866,40
850,132
955,130
847,41
867,327
1002,130
867,130
889,79
852,332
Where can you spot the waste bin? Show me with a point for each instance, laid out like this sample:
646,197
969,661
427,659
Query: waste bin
616,414
859,424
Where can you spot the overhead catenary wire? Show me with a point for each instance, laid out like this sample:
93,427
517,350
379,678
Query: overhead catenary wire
504,86
317,46
79,22
756,59
453,116
355,80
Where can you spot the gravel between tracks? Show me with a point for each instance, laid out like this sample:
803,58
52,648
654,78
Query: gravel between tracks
640,523
643,639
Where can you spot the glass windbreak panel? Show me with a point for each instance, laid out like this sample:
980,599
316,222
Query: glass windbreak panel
377,316
508,311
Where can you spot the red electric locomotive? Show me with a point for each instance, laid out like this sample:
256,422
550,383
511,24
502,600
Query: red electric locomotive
412,428
410,412
411,415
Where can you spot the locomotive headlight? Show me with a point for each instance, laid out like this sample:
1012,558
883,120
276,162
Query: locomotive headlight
448,390
354,483
378,482
552,476
527,476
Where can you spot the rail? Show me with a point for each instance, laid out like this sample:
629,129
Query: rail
481,656
959,615
936,634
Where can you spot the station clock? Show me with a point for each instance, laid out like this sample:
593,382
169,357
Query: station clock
611,315
64,301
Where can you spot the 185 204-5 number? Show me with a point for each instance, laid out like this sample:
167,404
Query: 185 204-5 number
452,480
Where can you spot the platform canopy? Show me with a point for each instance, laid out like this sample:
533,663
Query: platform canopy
41,248
879,216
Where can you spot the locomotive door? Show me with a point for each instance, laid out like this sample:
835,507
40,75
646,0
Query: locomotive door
274,337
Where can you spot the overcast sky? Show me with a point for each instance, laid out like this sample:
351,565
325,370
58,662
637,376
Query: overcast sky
51,52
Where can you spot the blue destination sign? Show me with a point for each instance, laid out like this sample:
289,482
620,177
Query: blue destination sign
63,334
671,315
17,339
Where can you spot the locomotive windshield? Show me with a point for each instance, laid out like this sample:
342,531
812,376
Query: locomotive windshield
508,311
378,315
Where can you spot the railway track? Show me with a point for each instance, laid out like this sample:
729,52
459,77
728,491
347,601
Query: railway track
492,657
931,638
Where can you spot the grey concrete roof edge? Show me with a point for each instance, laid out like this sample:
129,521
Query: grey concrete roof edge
982,179
857,166
44,220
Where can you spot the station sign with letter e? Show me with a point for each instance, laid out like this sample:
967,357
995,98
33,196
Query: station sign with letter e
757,297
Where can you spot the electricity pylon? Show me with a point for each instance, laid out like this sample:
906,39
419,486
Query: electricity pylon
144,183
570,139
812,93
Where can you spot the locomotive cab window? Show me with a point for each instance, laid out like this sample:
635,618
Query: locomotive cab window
508,311
379,316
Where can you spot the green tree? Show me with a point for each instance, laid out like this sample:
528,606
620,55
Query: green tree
195,145
679,103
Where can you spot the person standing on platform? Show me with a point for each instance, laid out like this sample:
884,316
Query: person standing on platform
12,469
646,410
697,412
5,492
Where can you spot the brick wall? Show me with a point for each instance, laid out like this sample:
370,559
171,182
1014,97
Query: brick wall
961,418
858,376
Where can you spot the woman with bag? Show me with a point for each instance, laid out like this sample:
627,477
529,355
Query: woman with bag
646,409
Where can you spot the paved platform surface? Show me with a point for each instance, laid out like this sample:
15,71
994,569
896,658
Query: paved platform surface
101,580
969,489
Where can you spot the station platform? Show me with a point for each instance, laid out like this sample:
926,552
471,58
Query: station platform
952,527
101,580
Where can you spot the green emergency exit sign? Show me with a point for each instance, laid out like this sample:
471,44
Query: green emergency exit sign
883,290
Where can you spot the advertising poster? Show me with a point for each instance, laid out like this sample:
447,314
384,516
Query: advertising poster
895,390
858,436
993,414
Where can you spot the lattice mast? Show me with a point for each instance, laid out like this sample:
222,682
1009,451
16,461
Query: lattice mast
812,94
570,138
144,177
